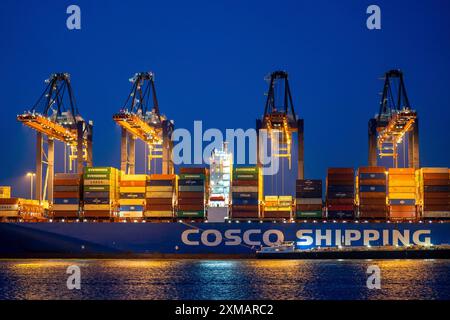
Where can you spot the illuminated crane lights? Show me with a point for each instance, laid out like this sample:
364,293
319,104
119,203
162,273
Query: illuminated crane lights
280,122
138,121
139,128
59,121
394,122
48,127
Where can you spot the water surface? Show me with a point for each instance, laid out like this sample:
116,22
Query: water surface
224,279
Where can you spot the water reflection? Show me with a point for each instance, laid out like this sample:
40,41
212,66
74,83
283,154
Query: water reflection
224,279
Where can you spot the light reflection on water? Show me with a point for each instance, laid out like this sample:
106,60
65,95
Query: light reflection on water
224,279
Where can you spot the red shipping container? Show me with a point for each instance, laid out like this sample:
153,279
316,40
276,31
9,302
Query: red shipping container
245,207
309,207
435,176
158,207
65,214
435,182
193,170
243,183
340,201
341,171
372,214
100,214
66,182
341,207
159,201
190,201
436,207
191,195
244,215
371,169
191,207
64,195
372,182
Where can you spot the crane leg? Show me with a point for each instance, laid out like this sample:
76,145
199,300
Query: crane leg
167,147
372,142
300,150
80,147
39,151
413,146
124,151
132,156
90,155
258,143
50,168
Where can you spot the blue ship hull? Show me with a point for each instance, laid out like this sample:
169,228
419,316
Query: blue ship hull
78,240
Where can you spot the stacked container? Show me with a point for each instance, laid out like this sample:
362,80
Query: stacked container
245,192
132,196
308,195
160,194
67,191
101,192
9,208
340,193
18,208
5,192
402,193
371,186
277,207
192,197
434,192
31,210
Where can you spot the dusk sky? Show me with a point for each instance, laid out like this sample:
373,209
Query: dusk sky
210,59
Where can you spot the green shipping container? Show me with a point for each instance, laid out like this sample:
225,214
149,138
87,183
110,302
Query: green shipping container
245,170
245,176
309,214
191,188
191,176
96,176
96,188
190,214
98,169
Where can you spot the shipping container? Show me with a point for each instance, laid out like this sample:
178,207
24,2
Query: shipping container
101,192
434,192
340,193
67,195
160,196
402,194
308,194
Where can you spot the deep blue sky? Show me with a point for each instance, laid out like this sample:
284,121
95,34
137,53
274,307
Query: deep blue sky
210,58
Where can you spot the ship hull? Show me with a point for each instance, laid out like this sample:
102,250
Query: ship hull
201,240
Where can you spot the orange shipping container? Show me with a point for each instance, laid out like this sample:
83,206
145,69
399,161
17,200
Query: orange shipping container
435,176
132,183
162,177
371,170
66,182
341,170
402,171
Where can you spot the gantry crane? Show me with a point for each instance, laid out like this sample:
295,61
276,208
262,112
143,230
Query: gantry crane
59,120
279,118
138,121
394,122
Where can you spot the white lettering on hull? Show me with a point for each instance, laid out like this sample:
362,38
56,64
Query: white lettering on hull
307,237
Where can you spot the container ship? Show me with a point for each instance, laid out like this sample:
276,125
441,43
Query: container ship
104,213
221,210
